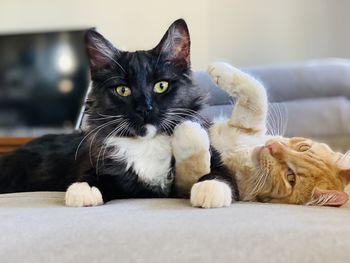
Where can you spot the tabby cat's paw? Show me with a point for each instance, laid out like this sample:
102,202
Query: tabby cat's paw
211,194
224,75
81,194
189,138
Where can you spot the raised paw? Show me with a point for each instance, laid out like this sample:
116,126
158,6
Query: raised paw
81,194
224,75
211,194
189,138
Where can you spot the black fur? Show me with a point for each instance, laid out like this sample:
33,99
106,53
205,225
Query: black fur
221,173
49,163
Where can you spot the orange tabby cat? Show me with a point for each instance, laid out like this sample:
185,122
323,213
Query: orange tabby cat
267,168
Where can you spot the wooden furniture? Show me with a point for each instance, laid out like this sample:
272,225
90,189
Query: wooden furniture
8,144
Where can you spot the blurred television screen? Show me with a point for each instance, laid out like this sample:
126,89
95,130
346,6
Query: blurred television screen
43,79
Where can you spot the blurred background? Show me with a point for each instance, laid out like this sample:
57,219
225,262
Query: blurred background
43,66
243,32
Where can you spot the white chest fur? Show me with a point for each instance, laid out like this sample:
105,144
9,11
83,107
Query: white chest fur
150,158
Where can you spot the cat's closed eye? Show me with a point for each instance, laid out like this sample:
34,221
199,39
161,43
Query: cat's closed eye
303,147
291,177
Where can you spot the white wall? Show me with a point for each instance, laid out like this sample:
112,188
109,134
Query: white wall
253,31
239,31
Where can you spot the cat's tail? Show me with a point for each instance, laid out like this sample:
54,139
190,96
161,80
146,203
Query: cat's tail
251,104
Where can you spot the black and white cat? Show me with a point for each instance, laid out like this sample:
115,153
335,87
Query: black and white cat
137,100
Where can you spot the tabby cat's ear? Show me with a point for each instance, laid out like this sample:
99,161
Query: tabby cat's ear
175,44
328,197
101,53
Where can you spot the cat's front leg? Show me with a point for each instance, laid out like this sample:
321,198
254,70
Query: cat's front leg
82,194
211,193
250,111
191,149
216,189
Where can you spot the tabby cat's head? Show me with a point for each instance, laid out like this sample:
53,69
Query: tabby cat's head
301,171
141,92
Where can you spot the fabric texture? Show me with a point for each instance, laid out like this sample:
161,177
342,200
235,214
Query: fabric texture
37,227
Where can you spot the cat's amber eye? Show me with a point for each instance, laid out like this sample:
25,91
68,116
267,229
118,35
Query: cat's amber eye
291,177
161,87
123,91
303,147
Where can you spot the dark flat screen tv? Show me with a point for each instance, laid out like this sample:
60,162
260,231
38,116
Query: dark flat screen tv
43,79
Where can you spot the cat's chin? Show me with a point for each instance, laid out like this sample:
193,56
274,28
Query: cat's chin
148,131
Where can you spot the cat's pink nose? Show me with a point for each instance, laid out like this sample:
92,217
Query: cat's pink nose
274,148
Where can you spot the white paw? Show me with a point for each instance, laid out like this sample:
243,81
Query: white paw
211,194
81,194
189,138
223,74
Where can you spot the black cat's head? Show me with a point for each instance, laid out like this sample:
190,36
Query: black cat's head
141,93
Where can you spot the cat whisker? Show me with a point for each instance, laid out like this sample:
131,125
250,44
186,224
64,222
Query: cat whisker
168,126
271,121
109,79
123,128
183,110
123,131
104,118
184,114
102,115
105,144
106,115
277,119
187,115
258,182
164,127
108,56
91,142
283,113
160,53
175,120
187,111
88,134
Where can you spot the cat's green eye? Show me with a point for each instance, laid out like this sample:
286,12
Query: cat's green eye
123,91
291,177
161,87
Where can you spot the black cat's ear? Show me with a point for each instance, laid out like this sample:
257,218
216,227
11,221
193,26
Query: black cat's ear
175,44
101,53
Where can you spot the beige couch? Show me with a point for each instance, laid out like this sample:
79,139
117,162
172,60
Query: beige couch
37,227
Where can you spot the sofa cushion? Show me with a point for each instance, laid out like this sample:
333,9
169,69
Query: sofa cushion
310,79
37,227
323,119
